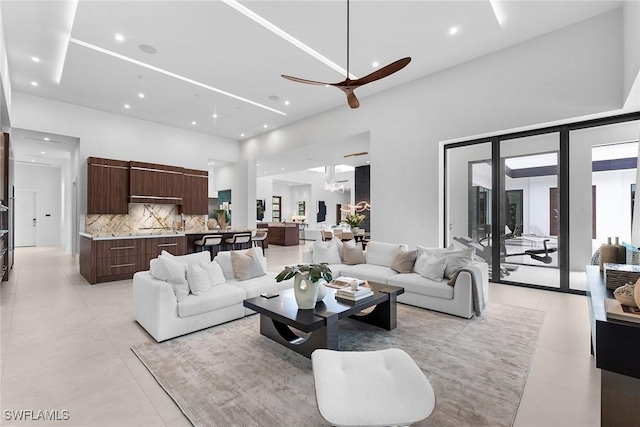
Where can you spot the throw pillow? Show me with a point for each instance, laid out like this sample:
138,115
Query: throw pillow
214,273
198,279
326,252
352,253
433,268
246,266
382,253
223,258
457,260
172,272
340,245
404,261
193,258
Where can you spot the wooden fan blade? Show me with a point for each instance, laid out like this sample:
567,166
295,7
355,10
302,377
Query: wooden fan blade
309,82
382,72
351,99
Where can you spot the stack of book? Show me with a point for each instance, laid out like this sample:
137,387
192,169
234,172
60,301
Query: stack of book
348,294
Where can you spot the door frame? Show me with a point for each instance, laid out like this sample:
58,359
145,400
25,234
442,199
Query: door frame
35,207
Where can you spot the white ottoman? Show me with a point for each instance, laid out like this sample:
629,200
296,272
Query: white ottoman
371,388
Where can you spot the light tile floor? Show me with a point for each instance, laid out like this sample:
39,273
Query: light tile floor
65,345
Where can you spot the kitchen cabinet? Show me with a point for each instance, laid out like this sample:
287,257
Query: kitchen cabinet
283,234
107,186
153,183
109,259
195,192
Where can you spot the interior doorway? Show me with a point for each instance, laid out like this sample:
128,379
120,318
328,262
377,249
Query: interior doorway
25,218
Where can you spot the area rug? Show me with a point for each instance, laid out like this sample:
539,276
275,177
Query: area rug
230,375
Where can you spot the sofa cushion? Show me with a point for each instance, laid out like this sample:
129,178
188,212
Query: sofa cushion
194,258
433,268
246,266
172,272
214,271
352,253
404,261
198,279
382,253
223,258
414,283
217,297
375,273
258,285
326,252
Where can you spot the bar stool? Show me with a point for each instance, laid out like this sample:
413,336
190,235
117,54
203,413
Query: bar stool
238,239
209,241
259,238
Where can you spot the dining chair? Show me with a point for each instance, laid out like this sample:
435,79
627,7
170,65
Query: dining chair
346,235
327,235
260,238
209,242
238,239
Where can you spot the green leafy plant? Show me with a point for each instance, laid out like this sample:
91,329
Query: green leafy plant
316,272
354,219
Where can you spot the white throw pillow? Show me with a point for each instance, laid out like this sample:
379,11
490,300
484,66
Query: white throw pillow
246,266
172,272
326,252
340,245
457,259
194,258
382,253
433,252
198,279
214,272
433,268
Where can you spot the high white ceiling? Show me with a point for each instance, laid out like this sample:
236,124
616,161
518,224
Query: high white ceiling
213,45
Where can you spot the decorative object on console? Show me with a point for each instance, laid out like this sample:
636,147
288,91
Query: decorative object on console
608,254
626,295
212,224
348,85
354,220
308,285
636,293
616,275
223,218
621,252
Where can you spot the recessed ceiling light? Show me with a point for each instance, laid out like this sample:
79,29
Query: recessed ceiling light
35,59
286,103
367,161
375,64
127,106
194,123
42,152
453,30
34,83
257,164
242,134
265,171
264,126
32,160
215,116
141,95
46,139
119,37
282,168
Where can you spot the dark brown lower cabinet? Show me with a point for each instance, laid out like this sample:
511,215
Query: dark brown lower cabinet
118,259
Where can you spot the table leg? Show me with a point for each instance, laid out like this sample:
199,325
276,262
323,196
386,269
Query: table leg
384,315
325,337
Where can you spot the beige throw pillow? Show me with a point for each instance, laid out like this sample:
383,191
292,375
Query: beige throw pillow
404,261
246,266
352,253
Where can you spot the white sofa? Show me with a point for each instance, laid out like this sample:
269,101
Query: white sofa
419,291
158,311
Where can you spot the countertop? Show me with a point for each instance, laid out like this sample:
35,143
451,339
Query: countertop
142,235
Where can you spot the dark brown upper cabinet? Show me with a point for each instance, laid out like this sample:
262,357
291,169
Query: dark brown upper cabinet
195,192
108,186
153,183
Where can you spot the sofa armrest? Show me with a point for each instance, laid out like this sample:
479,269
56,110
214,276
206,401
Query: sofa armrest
154,303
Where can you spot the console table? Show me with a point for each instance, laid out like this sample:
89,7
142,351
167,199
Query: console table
616,348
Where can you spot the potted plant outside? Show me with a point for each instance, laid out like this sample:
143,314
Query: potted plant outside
308,284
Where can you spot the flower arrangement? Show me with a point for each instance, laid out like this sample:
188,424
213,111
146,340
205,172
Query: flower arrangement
316,272
354,219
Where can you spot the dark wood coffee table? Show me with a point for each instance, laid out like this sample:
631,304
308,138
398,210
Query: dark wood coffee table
318,328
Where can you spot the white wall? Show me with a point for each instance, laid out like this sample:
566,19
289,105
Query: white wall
46,181
631,48
5,81
533,82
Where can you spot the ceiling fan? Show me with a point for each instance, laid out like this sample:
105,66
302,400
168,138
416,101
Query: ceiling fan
348,85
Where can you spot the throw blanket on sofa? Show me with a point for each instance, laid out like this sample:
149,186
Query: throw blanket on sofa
476,287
